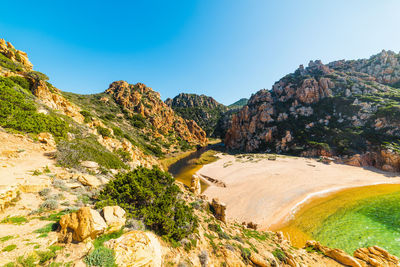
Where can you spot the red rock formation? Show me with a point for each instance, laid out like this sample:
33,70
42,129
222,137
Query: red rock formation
137,98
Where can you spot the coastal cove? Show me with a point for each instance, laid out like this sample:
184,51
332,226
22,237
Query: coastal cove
296,196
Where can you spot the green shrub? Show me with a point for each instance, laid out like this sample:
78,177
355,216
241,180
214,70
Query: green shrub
138,121
18,111
279,254
9,248
105,132
49,204
152,196
101,256
21,81
38,75
15,220
70,153
88,116
9,64
118,132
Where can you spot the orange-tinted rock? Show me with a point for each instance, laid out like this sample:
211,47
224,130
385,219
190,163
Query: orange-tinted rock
138,98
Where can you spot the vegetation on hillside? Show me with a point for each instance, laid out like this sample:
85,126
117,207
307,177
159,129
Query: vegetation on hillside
238,104
71,153
18,110
152,196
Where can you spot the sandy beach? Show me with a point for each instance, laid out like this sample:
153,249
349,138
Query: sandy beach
267,192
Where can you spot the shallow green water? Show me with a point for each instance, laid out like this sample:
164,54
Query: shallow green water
350,219
369,222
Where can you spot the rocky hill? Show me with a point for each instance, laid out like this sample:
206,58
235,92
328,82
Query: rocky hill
205,110
345,108
239,104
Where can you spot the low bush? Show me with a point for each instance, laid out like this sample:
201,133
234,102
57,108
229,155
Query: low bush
151,196
279,254
101,256
9,64
18,111
88,116
21,81
38,75
105,132
49,204
118,132
9,248
138,121
70,153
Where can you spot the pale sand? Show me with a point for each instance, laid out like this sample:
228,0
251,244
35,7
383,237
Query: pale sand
267,192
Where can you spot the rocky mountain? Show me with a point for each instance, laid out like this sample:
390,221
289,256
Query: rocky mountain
205,110
238,104
345,108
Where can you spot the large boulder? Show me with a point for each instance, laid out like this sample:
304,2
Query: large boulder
83,225
46,138
89,180
376,256
136,248
219,209
114,217
336,254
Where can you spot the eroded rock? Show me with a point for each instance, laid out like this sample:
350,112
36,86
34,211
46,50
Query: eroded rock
82,225
136,248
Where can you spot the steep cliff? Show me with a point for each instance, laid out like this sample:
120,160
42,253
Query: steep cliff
204,110
342,108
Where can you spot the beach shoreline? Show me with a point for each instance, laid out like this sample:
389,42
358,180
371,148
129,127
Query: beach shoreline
269,192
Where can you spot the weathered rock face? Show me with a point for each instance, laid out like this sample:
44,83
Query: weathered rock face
204,110
195,185
371,256
114,217
376,256
219,209
7,49
143,100
336,254
79,226
136,249
86,224
52,98
342,108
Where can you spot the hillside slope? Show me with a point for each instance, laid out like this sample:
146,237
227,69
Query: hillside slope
344,108
205,110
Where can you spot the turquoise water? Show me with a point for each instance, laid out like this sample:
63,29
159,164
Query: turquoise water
350,219
372,221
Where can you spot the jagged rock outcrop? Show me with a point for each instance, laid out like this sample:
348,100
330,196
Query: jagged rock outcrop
342,108
7,49
336,254
52,97
376,256
204,110
140,99
363,257
136,248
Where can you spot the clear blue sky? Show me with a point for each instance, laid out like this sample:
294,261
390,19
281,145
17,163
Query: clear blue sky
227,49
